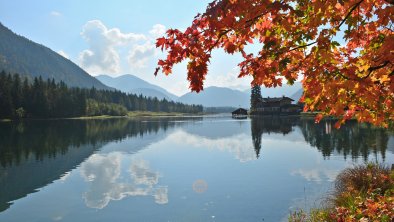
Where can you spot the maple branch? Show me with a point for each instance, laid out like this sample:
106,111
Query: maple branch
251,21
373,68
390,1
224,32
370,70
345,77
302,46
349,13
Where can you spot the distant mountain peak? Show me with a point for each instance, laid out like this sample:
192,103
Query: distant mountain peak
132,84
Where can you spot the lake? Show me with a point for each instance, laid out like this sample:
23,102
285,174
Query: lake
211,168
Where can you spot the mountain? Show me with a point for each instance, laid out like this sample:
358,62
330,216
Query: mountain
23,56
132,84
297,95
285,90
217,97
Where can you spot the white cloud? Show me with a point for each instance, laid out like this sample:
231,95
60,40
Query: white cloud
157,31
230,80
64,54
55,13
106,46
103,54
139,55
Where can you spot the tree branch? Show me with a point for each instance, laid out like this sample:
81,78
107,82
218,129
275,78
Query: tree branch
302,46
224,32
373,68
349,13
390,1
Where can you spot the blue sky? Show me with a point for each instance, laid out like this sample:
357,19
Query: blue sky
116,37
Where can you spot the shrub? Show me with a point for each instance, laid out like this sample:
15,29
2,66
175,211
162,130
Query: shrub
362,193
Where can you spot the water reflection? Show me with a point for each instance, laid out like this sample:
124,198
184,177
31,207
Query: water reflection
40,152
103,174
237,145
270,124
34,154
352,139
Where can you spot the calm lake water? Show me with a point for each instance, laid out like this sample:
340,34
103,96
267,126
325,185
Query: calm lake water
176,169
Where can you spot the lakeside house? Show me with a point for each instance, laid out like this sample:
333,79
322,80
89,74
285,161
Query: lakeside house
275,106
239,113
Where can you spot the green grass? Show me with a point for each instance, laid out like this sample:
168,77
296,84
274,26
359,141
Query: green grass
153,114
96,117
130,114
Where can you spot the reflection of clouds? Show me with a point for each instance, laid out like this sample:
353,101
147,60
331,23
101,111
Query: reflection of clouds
239,145
161,195
65,176
317,175
142,175
103,172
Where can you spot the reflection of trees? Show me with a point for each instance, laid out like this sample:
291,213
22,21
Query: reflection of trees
270,124
39,152
51,138
351,139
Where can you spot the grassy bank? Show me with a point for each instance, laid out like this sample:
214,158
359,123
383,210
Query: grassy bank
129,115
362,193
153,114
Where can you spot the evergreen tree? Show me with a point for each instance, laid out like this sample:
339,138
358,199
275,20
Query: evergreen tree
255,97
46,99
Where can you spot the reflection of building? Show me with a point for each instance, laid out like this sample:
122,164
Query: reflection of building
275,105
267,125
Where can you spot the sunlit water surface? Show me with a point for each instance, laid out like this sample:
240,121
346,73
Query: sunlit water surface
177,169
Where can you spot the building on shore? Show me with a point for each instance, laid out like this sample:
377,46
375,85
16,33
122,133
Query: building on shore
239,113
275,106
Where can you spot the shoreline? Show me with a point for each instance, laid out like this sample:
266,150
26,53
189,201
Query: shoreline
132,114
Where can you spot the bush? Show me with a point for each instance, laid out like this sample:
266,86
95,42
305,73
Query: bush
362,193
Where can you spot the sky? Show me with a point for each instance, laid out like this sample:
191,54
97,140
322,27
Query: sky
117,37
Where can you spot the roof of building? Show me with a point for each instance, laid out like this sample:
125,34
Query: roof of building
276,99
240,111
291,105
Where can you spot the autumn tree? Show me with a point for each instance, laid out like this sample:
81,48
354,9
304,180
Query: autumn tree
343,50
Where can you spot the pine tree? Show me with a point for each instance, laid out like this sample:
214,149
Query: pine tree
255,97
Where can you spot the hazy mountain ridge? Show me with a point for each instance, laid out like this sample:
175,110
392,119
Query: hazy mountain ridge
284,90
297,95
210,97
131,84
217,97
27,58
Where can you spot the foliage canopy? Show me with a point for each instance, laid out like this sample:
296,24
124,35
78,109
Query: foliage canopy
343,50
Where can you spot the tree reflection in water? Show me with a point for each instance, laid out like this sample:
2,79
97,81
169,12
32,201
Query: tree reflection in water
36,153
270,124
40,152
352,139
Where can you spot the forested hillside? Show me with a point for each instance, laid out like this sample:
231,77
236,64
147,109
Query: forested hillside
20,55
47,99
